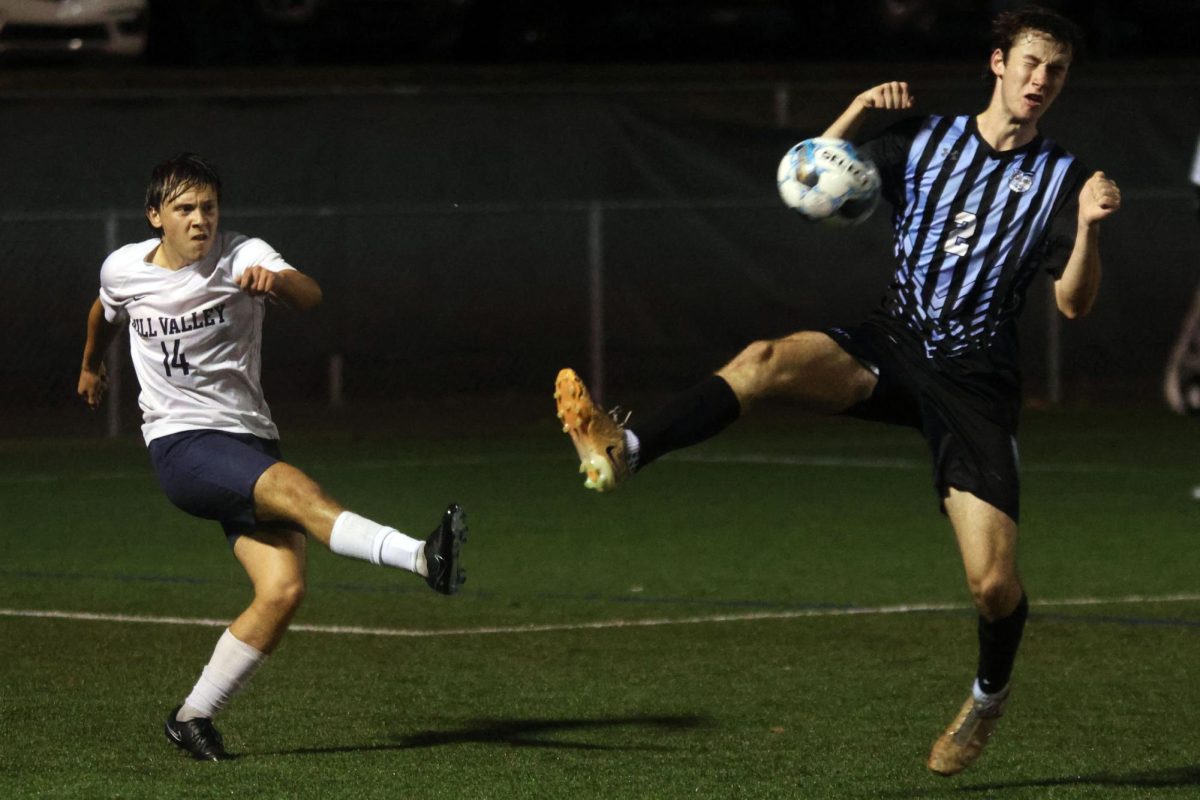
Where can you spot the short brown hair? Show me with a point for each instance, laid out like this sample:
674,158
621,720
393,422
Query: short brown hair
1009,24
174,176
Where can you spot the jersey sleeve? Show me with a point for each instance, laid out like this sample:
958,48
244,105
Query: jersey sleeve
252,252
888,151
112,297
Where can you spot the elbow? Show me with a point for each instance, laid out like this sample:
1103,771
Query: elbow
306,302
305,294
1073,309
1070,313
309,299
1074,303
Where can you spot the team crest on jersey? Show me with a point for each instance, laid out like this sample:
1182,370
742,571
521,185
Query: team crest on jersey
1020,182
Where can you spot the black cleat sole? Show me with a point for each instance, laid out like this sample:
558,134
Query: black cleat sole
443,551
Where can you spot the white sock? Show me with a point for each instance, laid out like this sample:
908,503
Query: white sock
632,448
232,664
359,537
983,697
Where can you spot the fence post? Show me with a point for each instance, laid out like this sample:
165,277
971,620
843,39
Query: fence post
337,367
596,299
782,105
114,359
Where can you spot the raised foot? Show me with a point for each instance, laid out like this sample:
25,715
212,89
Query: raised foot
443,549
599,439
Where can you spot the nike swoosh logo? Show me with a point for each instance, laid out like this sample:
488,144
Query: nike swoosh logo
137,297
171,732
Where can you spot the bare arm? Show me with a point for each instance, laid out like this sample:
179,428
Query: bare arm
891,95
1075,291
100,334
291,287
1183,355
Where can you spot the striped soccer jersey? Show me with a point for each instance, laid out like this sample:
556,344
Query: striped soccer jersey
972,226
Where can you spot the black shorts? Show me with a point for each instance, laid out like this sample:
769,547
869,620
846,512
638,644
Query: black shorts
966,407
211,474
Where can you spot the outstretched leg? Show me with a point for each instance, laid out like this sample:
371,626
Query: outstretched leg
808,369
284,493
987,539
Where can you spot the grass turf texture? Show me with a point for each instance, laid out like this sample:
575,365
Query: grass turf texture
782,514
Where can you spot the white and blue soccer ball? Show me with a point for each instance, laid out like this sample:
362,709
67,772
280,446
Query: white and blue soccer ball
826,181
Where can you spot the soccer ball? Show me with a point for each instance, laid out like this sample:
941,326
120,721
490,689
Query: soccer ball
826,181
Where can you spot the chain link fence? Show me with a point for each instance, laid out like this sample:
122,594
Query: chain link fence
471,240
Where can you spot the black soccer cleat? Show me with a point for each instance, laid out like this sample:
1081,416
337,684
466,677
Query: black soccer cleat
197,737
442,551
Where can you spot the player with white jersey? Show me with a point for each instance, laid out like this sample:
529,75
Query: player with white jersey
194,300
195,335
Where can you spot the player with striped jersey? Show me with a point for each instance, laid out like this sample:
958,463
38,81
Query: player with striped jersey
193,298
981,204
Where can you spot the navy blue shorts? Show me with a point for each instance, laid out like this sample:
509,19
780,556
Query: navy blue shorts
211,474
967,410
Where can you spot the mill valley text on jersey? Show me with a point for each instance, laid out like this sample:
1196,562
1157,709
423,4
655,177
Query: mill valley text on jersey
151,327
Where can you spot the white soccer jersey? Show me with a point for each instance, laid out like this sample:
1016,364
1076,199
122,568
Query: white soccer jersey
195,337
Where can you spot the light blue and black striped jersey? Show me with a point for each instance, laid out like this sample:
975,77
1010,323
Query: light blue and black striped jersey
972,226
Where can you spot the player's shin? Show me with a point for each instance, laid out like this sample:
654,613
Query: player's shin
998,643
689,418
358,537
230,668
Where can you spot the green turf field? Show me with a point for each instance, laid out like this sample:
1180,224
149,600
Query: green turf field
744,620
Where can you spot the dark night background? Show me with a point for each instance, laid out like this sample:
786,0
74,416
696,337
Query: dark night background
491,190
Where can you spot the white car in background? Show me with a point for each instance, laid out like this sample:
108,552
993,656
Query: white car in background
50,28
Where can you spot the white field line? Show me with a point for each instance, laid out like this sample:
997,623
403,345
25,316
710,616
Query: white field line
784,460
353,630
728,459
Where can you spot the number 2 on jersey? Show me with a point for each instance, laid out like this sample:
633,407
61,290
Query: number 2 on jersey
957,243
174,358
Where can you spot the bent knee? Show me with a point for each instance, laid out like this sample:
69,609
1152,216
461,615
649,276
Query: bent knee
757,366
283,484
996,595
285,596
756,355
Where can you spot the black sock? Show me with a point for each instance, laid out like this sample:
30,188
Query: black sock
998,643
689,418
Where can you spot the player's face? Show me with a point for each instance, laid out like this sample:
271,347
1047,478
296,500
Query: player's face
188,223
1032,74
